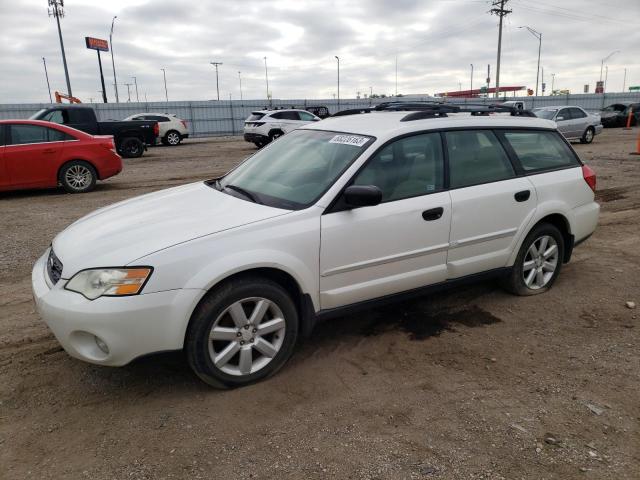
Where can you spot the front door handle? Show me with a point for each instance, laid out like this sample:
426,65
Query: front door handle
49,150
522,196
433,214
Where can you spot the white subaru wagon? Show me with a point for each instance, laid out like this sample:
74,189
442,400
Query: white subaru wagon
334,216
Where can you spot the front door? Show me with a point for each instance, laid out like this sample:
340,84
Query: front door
490,205
398,245
563,120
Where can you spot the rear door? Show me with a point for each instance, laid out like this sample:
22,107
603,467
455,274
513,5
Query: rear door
287,120
4,174
31,155
491,206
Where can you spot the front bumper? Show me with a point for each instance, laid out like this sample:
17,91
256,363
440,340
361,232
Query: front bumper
130,326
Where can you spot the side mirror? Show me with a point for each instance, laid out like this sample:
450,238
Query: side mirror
559,118
362,195
316,119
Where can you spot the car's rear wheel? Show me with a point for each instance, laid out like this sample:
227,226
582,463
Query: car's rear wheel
78,177
274,135
587,136
172,138
131,147
538,262
242,332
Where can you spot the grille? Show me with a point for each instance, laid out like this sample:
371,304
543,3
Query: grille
54,267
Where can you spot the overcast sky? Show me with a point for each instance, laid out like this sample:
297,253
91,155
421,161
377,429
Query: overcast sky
435,43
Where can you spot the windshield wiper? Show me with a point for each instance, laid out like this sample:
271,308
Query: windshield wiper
244,192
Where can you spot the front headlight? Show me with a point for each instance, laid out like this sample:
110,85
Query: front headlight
111,282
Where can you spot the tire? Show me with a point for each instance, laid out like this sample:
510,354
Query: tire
533,275
587,136
259,144
172,138
275,134
131,147
245,296
78,177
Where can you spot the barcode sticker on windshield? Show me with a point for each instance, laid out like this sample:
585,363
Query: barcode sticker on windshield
355,140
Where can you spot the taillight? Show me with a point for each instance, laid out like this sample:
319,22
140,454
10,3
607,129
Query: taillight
184,123
156,129
589,177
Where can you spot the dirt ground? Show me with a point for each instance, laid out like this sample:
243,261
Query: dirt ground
470,384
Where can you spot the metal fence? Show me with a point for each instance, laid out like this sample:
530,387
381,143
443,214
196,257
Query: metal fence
218,118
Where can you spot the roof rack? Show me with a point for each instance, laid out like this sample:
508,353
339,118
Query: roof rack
422,110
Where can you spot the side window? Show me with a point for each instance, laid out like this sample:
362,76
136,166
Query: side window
57,136
80,115
305,116
476,157
541,150
577,113
23,134
408,167
564,113
56,116
2,128
286,116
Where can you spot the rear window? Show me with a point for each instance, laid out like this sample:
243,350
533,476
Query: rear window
541,150
255,116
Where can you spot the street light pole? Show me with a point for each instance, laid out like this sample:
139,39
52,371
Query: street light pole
471,87
166,95
57,11
605,59
338,59
266,76
113,63
135,82
553,80
240,82
215,64
606,75
46,74
538,35
624,80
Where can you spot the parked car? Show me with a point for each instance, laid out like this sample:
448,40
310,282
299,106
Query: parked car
334,216
617,115
172,129
37,154
131,138
573,122
514,103
319,111
264,126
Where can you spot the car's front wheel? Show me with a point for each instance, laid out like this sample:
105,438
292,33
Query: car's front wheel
538,262
587,136
242,332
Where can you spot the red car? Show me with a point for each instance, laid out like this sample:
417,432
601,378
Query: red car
37,154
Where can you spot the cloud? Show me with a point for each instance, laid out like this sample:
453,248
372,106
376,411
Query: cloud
434,42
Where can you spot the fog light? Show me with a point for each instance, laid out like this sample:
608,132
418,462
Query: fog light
101,345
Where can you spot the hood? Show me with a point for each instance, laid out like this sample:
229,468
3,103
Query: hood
121,233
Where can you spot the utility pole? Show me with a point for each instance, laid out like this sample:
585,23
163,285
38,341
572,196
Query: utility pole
543,82
166,95
471,87
338,59
49,86
128,91
498,9
488,78
266,76
56,9
396,75
240,81
606,75
553,81
624,81
215,64
113,63
538,35
135,82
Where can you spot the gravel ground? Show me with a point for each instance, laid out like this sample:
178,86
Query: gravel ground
473,383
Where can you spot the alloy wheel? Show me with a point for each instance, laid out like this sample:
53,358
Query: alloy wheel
173,138
246,336
78,177
540,262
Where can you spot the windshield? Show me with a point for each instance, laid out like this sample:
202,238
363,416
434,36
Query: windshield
295,170
547,114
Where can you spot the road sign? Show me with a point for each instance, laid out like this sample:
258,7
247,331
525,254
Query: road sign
97,44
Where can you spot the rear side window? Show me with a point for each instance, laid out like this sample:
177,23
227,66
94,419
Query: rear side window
286,116
541,150
476,157
255,116
157,118
577,113
307,117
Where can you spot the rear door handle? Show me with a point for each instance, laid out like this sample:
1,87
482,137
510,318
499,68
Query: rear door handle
433,214
522,196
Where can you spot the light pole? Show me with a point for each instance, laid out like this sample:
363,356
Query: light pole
46,74
166,95
240,82
553,80
135,82
605,59
606,75
57,11
471,87
128,91
113,63
624,81
215,64
538,35
266,76
338,59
